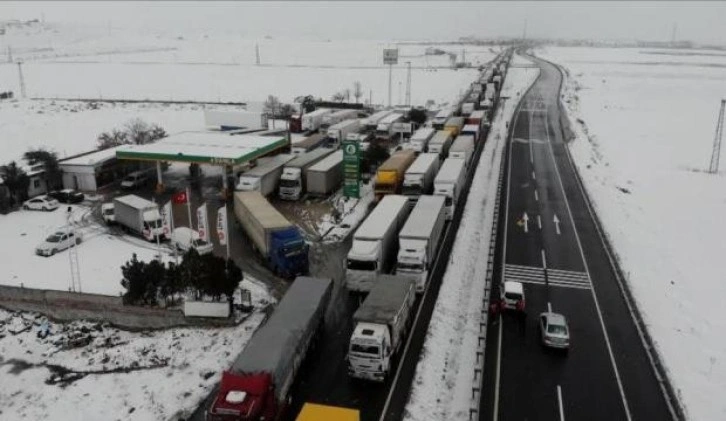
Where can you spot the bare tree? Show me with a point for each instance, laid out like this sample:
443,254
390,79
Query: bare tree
357,91
112,139
346,92
138,131
339,97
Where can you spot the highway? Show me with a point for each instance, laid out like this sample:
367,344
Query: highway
550,243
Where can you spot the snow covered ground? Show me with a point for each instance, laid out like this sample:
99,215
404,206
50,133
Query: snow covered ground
46,378
644,121
444,374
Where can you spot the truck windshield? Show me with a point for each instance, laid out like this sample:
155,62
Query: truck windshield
412,190
288,183
448,201
361,265
369,350
410,267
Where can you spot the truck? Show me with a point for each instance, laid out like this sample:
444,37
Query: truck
279,242
371,122
257,385
381,325
467,108
308,144
294,173
139,216
440,143
317,412
337,116
454,125
338,132
363,139
375,243
312,120
449,182
389,177
463,148
265,176
476,118
420,139
384,129
441,117
419,239
419,177
235,120
497,81
490,92
325,177
471,130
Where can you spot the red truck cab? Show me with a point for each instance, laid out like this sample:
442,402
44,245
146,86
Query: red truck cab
244,397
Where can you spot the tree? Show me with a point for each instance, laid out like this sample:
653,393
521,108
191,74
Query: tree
173,283
338,97
156,133
287,110
154,277
133,280
417,115
138,131
346,92
115,138
357,91
51,171
375,154
213,275
192,269
272,107
17,182
307,103
232,278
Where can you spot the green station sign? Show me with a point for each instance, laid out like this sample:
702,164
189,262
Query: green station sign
351,169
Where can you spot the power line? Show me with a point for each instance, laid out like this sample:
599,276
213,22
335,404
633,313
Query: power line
716,153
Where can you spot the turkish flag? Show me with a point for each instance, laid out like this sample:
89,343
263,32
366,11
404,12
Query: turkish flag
180,197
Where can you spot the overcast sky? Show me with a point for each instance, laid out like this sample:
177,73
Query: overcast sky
652,20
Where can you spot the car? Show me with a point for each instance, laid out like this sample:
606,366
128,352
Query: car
43,203
58,241
67,196
554,331
512,296
134,180
184,238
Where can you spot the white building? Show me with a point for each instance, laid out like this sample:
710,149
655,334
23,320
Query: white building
90,171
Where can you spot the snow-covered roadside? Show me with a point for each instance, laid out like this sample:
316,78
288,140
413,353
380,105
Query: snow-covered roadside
352,212
642,135
169,371
444,374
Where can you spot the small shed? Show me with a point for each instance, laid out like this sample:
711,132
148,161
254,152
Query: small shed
92,170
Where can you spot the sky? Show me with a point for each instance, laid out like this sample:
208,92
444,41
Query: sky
651,20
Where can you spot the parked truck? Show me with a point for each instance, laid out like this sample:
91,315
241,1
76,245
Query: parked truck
308,144
317,412
389,177
381,325
325,177
338,132
384,129
294,173
476,118
337,116
235,120
314,119
463,148
440,143
441,117
454,125
139,216
278,241
371,122
419,177
257,385
264,177
467,108
471,130
449,182
375,243
419,239
420,139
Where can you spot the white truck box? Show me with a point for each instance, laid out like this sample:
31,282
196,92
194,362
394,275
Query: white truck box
419,177
265,176
325,177
449,182
463,148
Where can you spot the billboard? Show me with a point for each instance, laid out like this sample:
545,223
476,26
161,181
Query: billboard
390,56
351,169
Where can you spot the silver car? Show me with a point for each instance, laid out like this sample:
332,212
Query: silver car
554,331
58,241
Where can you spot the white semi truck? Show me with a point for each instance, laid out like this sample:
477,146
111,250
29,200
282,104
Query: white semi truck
419,177
265,176
314,119
338,132
463,148
337,116
294,173
419,239
381,325
420,139
440,143
449,182
326,176
371,122
375,243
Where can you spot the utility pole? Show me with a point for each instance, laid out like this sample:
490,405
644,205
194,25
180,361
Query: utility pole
713,169
390,78
370,97
22,80
257,53
408,84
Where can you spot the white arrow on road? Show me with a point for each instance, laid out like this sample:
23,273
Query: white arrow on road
557,224
525,219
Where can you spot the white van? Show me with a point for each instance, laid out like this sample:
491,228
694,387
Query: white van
135,179
184,238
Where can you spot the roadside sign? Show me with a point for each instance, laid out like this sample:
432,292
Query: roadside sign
351,169
390,56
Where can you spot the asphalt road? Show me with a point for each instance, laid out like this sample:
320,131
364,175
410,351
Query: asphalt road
550,243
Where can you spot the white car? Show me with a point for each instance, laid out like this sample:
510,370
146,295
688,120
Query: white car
512,296
44,203
58,241
554,331
184,238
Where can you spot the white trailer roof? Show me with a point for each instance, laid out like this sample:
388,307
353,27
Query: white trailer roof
328,162
440,137
445,113
423,133
423,217
319,111
477,114
450,170
377,222
308,157
136,202
343,124
375,118
264,212
385,299
422,163
264,165
462,143
470,128
391,118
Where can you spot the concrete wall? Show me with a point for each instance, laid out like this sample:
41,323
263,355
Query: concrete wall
69,306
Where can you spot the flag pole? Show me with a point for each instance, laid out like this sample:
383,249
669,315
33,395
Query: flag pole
189,207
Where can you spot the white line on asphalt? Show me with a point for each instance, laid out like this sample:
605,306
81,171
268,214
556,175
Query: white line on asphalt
539,221
587,270
533,176
559,400
544,260
536,196
549,307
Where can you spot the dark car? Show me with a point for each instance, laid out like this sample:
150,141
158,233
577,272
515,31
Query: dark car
67,196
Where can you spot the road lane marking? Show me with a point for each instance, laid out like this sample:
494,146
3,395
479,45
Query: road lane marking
539,222
533,176
587,270
549,307
557,224
536,196
544,260
559,400
535,275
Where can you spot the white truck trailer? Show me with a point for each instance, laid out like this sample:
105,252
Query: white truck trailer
265,176
371,122
294,173
449,182
338,132
235,120
441,118
384,129
440,143
139,216
337,116
419,177
313,120
381,325
375,243
325,177
308,144
472,130
420,139
419,239
463,148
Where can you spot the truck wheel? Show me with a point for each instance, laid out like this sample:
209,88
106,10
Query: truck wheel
53,252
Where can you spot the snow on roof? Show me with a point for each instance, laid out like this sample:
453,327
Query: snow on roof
380,218
423,133
135,202
391,118
328,162
265,164
385,299
422,163
93,158
423,218
450,170
205,147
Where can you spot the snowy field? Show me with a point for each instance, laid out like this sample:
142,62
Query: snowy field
72,62
444,374
47,379
649,119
